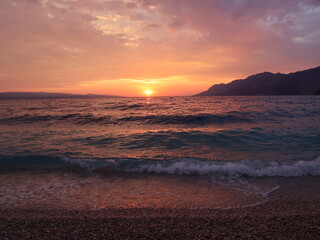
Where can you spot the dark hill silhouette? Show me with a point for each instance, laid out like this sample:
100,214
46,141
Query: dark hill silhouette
305,82
44,95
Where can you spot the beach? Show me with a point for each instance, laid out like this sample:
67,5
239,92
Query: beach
276,219
172,119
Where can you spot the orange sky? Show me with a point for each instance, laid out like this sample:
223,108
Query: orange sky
171,47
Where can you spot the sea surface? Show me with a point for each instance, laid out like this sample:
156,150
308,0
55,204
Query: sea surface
161,152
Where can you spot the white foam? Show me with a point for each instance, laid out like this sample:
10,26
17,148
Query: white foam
87,163
251,168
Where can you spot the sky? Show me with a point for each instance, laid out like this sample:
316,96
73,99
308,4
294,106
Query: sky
159,47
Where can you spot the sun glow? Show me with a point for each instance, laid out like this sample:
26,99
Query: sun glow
148,92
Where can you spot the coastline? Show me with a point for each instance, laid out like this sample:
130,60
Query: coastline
276,219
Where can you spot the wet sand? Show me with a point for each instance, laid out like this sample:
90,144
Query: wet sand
272,220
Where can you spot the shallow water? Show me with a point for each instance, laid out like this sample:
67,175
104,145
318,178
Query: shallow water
193,152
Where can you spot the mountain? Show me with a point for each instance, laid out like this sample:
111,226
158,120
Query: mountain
44,95
305,82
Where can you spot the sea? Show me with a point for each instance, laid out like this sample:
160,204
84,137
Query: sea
158,152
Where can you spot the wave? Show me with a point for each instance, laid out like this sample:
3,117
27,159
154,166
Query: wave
135,106
247,168
254,140
201,118
183,166
188,119
77,118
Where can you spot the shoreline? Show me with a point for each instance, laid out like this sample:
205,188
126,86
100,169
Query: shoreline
276,219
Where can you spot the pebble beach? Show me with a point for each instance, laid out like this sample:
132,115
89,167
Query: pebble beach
272,220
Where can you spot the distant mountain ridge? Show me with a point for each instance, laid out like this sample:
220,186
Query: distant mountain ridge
305,82
45,95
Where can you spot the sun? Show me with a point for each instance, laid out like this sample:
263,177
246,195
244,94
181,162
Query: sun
148,92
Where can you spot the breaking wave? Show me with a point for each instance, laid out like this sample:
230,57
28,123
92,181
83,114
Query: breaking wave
185,166
248,168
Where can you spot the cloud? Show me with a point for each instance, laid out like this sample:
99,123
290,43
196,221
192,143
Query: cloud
254,30
49,45
60,43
